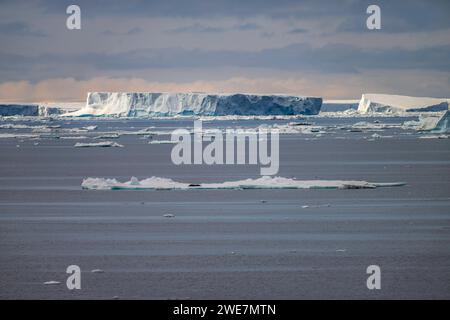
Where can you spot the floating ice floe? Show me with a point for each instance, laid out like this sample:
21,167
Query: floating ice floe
265,182
50,283
376,136
388,103
17,136
74,137
90,128
133,104
102,144
435,136
108,136
372,126
97,271
162,142
18,126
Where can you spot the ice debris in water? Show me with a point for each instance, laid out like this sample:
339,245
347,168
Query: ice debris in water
265,182
52,282
102,144
97,271
161,142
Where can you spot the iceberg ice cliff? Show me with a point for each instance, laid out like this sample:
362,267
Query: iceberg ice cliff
128,104
34,110
28,109
433,123
394,103
443,124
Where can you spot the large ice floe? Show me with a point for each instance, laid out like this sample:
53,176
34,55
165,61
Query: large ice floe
388,103
264,182
129,104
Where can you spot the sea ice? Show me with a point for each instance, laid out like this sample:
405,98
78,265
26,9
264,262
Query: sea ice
264,182
162,142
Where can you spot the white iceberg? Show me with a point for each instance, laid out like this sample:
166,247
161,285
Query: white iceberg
129,104
102,144
388,103
264,182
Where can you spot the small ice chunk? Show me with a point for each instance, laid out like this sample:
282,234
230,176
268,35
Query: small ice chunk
162,142
169,215
103,144
90,128
108,136
97,271
52,283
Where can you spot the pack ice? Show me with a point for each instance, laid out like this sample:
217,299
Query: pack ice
394,103
129,104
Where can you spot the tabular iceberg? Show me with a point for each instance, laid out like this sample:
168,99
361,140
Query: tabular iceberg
32,110
128,104
395,103
37,109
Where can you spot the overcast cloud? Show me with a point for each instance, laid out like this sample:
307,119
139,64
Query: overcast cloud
300,47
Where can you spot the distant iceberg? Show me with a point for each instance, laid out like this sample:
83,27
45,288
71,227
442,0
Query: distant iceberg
443,124
339,105
127,104
388,103
265,182
27,110
36,109
433,123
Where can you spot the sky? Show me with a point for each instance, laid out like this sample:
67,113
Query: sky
314,48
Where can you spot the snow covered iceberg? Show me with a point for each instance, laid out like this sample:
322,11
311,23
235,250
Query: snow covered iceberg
394,103
264,182
129,104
